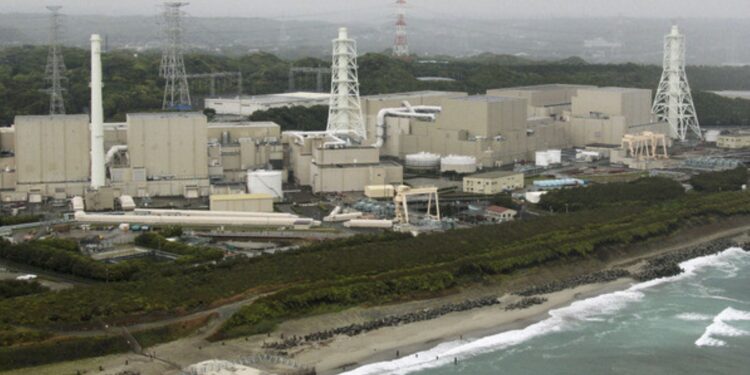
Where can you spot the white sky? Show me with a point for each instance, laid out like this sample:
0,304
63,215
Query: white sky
361,10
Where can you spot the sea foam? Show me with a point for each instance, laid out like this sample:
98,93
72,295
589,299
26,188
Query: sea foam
559,320
720,328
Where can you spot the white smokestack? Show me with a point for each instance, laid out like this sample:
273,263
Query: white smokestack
97,115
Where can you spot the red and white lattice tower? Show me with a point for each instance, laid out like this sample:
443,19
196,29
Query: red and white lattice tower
401,44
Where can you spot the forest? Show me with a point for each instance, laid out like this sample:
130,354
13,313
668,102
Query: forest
132,83
644,190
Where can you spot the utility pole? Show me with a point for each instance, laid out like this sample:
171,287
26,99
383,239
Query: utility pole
55,70
176,90
319,73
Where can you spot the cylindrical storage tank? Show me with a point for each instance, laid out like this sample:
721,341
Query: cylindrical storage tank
458,164
265,182
423,161
712,136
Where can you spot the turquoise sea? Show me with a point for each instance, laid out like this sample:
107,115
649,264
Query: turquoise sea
694,323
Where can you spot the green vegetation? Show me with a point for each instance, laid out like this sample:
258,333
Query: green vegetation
17,288
69,348
644,190
463,257
503,200
20,219
295,118
190,254
731,180
132,83
63,256
365,270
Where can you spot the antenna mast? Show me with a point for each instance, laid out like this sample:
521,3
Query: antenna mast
401,44
176,90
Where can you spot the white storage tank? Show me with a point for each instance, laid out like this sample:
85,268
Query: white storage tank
265,182
423,161
712,136
458,164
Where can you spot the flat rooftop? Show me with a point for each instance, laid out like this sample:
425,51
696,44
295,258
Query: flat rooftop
412,94
163,115
546,87
487,98
244,124
616,89
495,174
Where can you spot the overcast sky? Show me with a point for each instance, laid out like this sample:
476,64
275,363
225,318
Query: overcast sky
336,10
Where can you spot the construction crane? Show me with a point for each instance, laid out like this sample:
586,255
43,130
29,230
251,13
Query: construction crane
401,202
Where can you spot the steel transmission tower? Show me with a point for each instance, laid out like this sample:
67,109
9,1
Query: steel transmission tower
674,102
55,71
401,44
176,90
345,112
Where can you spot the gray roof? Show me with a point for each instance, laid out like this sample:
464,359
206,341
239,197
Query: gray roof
495,174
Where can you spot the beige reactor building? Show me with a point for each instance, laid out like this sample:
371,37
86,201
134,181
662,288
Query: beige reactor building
181,154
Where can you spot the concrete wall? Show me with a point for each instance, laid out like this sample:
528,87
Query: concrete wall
541,95
169,144
242,203
52,148
360,155
371,105
331,179
255,130
632,104
7,138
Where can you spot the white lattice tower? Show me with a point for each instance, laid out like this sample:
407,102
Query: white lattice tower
55,71
176,89
345,112
401,43
674,102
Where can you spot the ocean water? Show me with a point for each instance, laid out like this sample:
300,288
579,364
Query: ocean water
694,323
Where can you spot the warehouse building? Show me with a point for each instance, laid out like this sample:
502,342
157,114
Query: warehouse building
733,141
491,183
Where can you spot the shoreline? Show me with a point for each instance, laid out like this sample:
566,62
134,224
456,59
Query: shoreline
380,345
343,353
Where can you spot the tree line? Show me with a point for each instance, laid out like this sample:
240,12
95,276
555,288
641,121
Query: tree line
132,83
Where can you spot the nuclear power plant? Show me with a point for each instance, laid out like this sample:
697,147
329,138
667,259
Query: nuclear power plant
380,146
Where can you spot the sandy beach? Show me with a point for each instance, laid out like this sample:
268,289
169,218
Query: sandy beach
346,353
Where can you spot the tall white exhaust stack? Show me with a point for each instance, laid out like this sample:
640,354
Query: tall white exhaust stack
97,115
